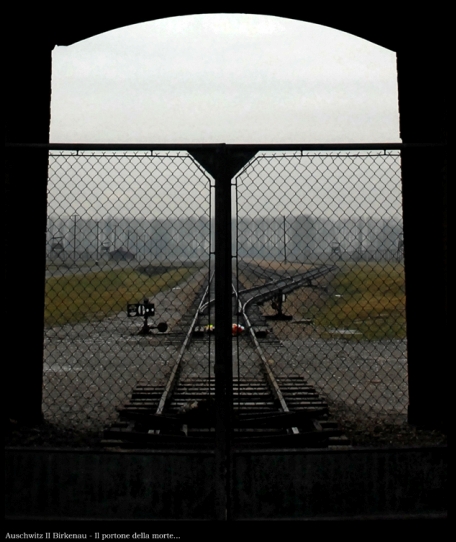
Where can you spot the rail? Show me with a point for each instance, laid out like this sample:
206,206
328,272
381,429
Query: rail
178,366
272,382
271,410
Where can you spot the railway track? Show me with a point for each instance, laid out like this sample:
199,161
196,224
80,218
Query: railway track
269,410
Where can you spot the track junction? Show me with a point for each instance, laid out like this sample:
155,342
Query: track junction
269,410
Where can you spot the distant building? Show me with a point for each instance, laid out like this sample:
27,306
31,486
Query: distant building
122,255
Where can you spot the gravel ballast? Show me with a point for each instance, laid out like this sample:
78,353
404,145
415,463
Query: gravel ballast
90,370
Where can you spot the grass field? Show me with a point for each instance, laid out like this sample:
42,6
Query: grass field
368,298
95,295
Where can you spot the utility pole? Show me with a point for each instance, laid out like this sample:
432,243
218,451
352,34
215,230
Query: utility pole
98,237
75,218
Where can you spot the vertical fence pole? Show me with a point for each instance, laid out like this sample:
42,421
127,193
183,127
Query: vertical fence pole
223,369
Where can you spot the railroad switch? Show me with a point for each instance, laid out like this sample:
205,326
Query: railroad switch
146,309
277,304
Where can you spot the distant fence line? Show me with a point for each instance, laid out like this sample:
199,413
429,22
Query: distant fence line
292,237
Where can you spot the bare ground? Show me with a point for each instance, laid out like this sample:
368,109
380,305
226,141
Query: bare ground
90,369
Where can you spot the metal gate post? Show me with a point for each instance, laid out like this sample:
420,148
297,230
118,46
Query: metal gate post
223,369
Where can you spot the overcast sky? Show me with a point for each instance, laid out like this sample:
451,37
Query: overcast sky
224,78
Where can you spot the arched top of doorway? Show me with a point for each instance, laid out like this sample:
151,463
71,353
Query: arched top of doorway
384,27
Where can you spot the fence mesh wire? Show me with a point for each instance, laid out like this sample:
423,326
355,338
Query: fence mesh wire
324,230
321,233
124,230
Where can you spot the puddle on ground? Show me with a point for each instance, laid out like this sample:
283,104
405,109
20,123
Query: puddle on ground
343,332
55,368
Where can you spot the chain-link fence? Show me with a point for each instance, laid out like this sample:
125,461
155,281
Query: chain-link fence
319,235
317,240
128,250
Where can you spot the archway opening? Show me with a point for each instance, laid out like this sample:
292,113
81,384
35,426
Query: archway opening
239,79
227,78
